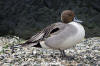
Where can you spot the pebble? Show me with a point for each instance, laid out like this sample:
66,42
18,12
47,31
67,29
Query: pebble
1,48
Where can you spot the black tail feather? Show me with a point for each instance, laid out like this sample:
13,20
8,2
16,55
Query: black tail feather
28,43
34,44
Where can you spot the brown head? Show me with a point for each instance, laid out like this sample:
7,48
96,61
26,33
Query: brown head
67,16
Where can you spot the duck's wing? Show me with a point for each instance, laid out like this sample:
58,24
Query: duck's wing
45,33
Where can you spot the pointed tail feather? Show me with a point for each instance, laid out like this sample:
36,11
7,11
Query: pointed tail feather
28,43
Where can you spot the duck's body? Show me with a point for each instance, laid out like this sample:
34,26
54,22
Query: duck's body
67,36
60,35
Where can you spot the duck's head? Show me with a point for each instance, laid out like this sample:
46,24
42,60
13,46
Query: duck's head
68,16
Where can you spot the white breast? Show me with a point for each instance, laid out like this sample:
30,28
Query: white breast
75,38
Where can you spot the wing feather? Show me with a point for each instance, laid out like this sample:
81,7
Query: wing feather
42,34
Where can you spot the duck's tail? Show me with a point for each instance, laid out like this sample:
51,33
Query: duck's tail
34,44
28,43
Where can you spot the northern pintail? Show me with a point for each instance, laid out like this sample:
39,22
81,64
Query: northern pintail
60,35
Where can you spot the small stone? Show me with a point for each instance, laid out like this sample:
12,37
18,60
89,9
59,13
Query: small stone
1,48
80,64
1,58
98,62
6,64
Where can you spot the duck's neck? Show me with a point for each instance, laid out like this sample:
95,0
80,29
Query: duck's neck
65,22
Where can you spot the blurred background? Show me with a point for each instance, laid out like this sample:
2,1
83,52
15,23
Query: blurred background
24,18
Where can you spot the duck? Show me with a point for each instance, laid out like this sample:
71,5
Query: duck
60,35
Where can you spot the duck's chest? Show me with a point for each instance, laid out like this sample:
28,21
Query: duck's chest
76,35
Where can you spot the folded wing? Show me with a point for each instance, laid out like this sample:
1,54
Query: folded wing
45,33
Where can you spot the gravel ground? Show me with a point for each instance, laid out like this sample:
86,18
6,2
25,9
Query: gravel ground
86,53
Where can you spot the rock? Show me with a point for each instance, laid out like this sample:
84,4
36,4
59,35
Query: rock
1,48
98,63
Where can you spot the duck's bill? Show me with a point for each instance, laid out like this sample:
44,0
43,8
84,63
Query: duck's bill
76,20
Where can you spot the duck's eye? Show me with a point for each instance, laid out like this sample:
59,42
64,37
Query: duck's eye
54,30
